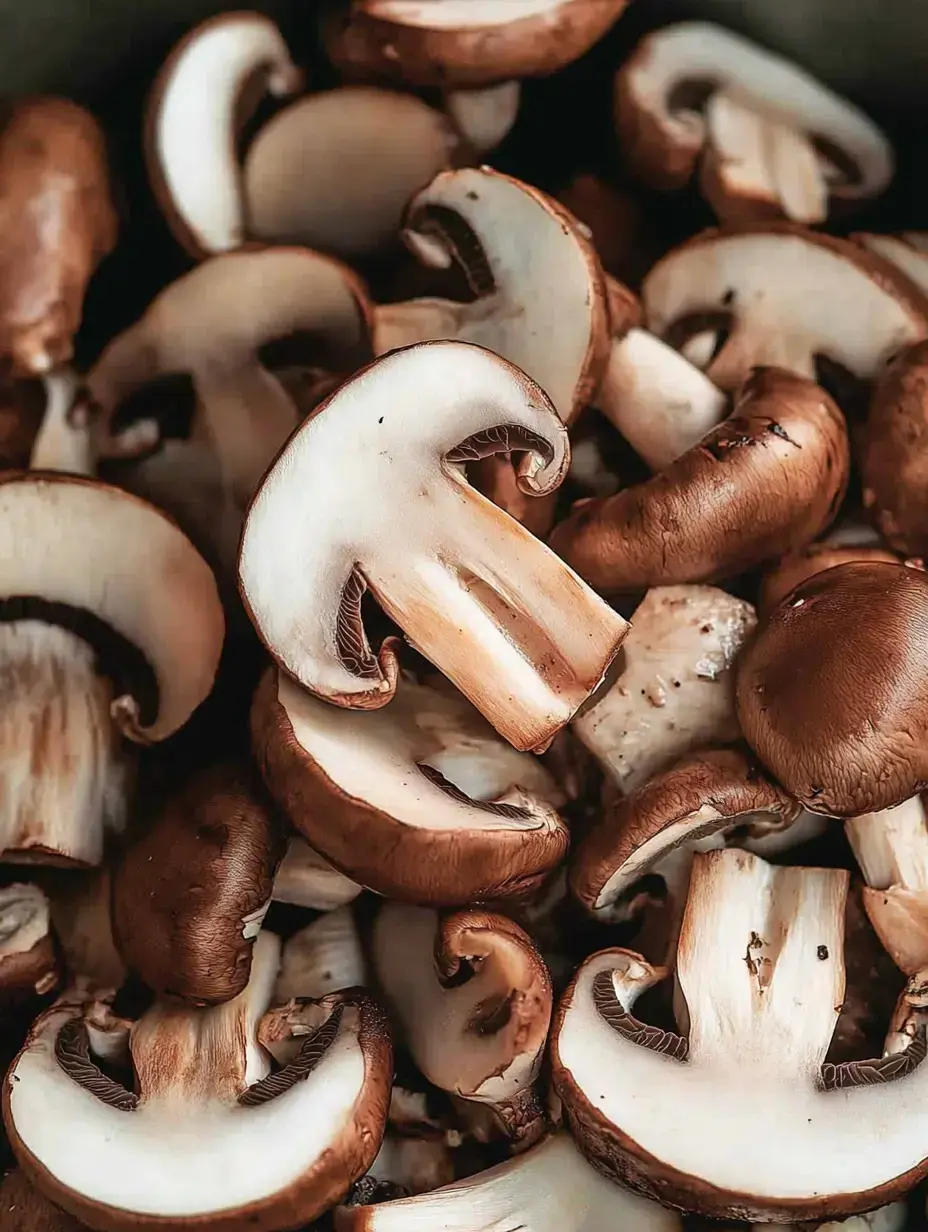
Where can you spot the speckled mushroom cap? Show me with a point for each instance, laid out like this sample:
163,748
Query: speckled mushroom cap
833,693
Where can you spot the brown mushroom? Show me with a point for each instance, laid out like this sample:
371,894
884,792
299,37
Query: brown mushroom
797,567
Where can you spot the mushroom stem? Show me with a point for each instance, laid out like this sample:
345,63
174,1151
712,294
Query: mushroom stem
64,440
484,117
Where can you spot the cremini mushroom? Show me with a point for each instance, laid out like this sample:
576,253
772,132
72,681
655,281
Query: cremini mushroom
797,567
190,894
514,629
92,649
831,693
30,963
473,998
324,957
763,483
420,800
770,141
307,879
617,224
760,947
204,1099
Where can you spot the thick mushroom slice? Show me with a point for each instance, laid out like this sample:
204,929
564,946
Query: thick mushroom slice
831,695
734,299
550,1188
209,1137
763,483
473,997
30,966
773,140
324,957
190,894
57,223
307,879
904,251
420,801
760,969
515,629
91,648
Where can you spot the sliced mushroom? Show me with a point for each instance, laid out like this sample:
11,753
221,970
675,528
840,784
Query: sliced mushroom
904,251
550,1188
323,958
695,89
307,879
831,694
474,592
30,966
57,221
617,225
205,1096
473,997
419,801
796,568
81,917
24,1209
484,117
763,483
411,1165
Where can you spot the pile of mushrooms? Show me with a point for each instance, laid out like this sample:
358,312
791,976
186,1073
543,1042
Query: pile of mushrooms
464,718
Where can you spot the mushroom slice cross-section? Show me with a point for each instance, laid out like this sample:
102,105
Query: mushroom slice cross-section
903,251
421,800
473,997
370,493
760,968
238,1144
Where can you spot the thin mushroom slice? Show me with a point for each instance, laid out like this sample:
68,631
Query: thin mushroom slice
760,968
902,251
324,957
30,966
197,106
764,482
420,801
307,879
473,997
550,1188
240,1144
513,628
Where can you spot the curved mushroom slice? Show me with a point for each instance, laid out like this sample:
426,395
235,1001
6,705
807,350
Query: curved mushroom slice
732,300
675,688
484,117
473,997
307,879
550,1188
495,610
694,88
831,695
227,61
57,222
322,958
24,1209
902,251
419,801
760,966
30,967
334,170
798,567
190,895
762,484
204,1098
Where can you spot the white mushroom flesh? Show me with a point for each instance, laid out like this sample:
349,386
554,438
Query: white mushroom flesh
307,879
24,919
484,117
904,254
324,957
460,14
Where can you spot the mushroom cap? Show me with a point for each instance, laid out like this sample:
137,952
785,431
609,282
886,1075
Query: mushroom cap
789,572
832,695
780,295
69,544
371,792
495,610
468,42
763,483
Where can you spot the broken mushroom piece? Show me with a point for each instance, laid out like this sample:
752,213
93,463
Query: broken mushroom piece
205,1095
763,483
550,1188
91,649
322,958
307,879
773,140
190,894
493,608
831,694
30,966
760,969
420,800
57,222
733,299
473,998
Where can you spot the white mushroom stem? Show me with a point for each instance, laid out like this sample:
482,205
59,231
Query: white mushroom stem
108,1034
484,117
323,957
64,440
64,767
307,879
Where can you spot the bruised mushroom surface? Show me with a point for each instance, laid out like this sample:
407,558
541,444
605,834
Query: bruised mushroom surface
240,1144
773,141
495,610
763,483
473,997
832,696
760,968
190,895
421,800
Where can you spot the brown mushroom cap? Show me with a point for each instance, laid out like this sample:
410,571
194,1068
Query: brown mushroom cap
763,483
788,573
833,693
189,897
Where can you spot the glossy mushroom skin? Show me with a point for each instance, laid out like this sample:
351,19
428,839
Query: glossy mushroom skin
796,568
57,222
833,693
763,483
189,897
894,453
